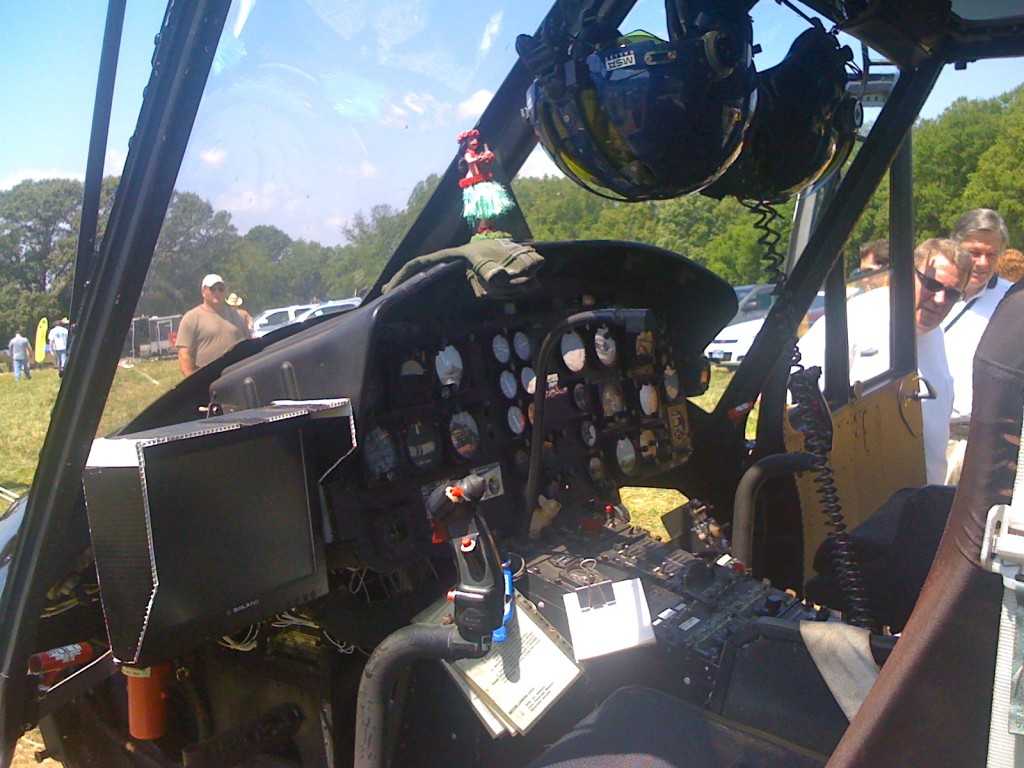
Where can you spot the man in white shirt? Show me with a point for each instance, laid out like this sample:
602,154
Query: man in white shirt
942,269
983,234
58,338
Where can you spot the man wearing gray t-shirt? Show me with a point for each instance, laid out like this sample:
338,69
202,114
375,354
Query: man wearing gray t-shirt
21,353
209,330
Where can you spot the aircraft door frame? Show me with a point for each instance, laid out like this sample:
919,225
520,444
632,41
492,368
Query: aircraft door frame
876,425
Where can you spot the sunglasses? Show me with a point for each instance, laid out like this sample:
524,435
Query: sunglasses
934,286
219,287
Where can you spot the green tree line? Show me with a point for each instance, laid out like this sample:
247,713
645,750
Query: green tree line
967,157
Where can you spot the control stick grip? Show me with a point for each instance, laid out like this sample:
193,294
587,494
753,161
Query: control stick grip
479,596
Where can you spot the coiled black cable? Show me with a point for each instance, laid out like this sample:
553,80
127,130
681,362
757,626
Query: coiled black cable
769,239
810,412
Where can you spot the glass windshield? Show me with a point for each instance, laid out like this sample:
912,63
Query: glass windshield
321,134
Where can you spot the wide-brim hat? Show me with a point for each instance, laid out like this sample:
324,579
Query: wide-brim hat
234,300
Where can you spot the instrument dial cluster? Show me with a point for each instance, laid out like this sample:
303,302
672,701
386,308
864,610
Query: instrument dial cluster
453,402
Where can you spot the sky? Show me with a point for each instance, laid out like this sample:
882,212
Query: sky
317,110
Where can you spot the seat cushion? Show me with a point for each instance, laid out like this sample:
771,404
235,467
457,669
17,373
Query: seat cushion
645,728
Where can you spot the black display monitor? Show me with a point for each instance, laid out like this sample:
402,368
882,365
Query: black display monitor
200,530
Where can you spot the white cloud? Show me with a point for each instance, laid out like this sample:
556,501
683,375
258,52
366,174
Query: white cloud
474,106
538,165
240,198
490,32
113,162
420,111
213,158
35,174
368,170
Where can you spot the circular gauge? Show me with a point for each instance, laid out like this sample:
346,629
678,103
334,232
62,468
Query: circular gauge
589,433
501,349
671,383
380,453
604,345
645,347
596,469
649,399
648,445
516,420
412,375
412,368
612,402
529,379
422,445
509,385
574,354
464,434
448,364
521,342
580,396
625,454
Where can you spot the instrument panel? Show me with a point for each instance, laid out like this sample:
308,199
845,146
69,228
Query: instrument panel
444,383
450,401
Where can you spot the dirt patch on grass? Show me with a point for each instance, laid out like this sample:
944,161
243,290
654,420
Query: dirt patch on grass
25,752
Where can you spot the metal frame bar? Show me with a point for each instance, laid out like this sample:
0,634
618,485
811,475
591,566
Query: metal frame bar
85,256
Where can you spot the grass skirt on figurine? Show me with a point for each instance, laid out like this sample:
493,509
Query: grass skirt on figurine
485,200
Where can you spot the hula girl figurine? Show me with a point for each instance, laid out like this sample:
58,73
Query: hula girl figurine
482,198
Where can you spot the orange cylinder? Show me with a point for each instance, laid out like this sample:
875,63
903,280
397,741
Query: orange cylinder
57,659
147,700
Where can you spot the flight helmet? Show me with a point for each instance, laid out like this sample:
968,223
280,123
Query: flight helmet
634,117
805,127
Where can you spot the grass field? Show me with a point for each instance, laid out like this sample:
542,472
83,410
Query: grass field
25,408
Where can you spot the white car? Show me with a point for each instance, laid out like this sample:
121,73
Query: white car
328,308
271,319
734,341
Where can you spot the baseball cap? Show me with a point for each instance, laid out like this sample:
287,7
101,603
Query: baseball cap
211,280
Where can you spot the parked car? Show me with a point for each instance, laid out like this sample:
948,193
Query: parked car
271,319
328,308
734,341
742,291
754,302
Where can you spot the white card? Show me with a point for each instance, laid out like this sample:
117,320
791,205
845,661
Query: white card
614,626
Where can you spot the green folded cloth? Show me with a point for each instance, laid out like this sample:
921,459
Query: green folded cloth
493,267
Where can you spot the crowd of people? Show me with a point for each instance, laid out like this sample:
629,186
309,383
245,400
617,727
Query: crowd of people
21,353
205,332
958,284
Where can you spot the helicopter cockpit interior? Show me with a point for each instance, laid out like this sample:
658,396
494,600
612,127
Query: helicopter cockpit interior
395,535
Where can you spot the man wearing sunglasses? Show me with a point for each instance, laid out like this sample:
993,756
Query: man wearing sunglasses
982,232
209,330
941,271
